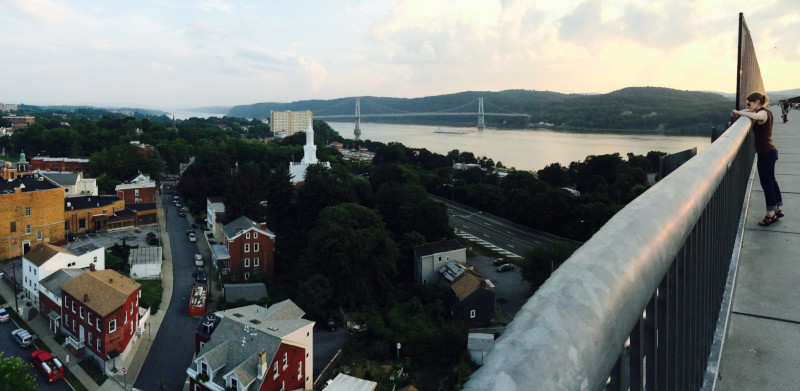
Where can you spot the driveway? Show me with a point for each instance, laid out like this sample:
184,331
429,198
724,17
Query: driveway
511,291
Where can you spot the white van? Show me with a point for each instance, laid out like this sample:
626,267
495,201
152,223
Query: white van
22,337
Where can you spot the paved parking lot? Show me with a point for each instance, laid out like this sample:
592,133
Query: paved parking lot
511,291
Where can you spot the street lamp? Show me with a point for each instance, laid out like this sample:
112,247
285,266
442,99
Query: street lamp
398,351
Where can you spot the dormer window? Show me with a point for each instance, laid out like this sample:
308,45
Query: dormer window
204,369
233,383
275,370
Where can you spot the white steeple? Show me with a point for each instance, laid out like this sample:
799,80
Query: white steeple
310,150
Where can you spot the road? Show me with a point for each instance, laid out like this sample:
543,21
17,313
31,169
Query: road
503,236
173,347
10,348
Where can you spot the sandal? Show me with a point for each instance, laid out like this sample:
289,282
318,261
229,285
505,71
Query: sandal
779,213
768,220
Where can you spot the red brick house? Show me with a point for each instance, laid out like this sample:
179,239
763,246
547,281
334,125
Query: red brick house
100,314
252,249
140,189
254,348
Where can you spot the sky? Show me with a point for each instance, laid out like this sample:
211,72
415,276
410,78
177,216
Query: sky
165,54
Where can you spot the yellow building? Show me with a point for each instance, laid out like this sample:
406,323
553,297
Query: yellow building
31,213
288,121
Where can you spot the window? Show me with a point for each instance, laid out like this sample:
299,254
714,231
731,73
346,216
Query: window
255,261
255,247
285,360
247,262
202,344
94,260
275,370
204,368
247,247
255,235
80,310
98,344
81,223
131,308
247,276
247,235
73,324
90,338
27,211
89,318
472,313
234,383
136,192
38,235
28,229
73,306
299,370
131,331
97,321
126,318
283,385
112,325
13,226
66,319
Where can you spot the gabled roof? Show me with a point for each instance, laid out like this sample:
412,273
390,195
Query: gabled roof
437,247
88,202
344,382
244,224
53,282
141,181
465,285
107,290
43,252
65,178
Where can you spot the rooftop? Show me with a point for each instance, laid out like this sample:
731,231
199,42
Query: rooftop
107,290
244,223
43,252
88,202
28,183
438,247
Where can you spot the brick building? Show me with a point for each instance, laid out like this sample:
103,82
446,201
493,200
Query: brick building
251,247
100,314
140,189
31,213
254,348
46,163
96,213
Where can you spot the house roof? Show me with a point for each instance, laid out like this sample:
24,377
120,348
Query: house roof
253,291
43,252
27,183
87,202
243,223
279,320
465,285
83,248
107,290
53,282
64,178
480,341
344,382
145,255
141,181
437,247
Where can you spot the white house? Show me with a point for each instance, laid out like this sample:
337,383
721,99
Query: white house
74,184
145,263
46,259
215,211
429,257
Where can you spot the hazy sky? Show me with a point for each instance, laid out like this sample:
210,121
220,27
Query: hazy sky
176,54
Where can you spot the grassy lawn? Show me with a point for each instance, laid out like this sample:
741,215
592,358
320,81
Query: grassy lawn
151,294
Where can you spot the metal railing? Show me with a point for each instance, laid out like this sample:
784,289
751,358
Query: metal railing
636,306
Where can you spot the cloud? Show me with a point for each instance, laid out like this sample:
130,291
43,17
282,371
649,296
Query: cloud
216,6
46,11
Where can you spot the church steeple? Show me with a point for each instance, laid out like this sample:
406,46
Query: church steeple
310,150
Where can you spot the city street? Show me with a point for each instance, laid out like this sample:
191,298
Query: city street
10,348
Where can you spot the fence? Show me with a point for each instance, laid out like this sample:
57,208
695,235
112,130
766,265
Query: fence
637,304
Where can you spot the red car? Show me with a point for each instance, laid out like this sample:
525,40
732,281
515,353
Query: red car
48,365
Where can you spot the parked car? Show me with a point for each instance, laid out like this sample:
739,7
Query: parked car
181,214
198,260
48,365
4,315
330,323
500,261
505,268
192,237
152,239
22,337
189,231
200,276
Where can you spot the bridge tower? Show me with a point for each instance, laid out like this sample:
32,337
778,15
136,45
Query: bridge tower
357,131
481,123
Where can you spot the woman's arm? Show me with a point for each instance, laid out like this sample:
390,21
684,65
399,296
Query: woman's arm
759,116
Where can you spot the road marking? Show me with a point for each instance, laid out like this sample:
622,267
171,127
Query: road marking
510,245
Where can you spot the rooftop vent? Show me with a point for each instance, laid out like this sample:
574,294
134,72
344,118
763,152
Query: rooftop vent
238,315
255,321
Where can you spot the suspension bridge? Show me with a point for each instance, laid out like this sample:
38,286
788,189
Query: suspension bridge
456,111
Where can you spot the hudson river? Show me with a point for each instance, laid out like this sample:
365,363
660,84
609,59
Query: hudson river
522,149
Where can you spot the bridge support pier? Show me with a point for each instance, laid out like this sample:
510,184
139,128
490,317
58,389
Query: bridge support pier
357,131
481,123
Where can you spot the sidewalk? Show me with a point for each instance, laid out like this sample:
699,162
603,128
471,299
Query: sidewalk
761,350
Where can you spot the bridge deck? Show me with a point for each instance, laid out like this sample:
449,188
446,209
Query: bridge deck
762,348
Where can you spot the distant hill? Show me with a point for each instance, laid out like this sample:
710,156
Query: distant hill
210,109
629,109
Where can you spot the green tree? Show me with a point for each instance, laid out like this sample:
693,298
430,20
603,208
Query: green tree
15,375
540,262
350,245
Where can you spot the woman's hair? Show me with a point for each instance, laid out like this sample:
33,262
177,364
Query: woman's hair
757,96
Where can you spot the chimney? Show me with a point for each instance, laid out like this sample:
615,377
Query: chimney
262,363
85,297
263,226
91,267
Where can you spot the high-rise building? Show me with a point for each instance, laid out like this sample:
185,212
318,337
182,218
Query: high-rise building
288,121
